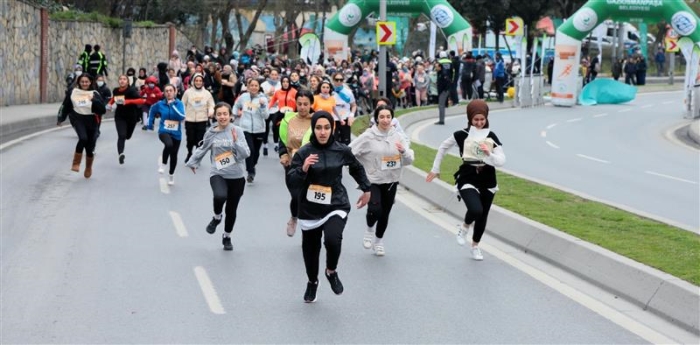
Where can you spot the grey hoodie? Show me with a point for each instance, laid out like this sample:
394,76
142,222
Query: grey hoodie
227,157
377,152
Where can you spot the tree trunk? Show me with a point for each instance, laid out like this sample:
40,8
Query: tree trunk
251,27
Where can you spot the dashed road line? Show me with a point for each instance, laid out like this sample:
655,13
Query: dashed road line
646,106
543,134
574,120
552,144
208,290
164,186
593,158
624,110
601,115
669,102
179,224
551,126
670,177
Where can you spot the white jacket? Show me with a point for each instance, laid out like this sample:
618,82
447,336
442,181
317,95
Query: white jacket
377,152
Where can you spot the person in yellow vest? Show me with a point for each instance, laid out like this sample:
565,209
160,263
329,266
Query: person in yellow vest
98,63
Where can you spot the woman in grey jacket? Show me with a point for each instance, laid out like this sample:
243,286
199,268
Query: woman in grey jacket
250,113
383,151
229,150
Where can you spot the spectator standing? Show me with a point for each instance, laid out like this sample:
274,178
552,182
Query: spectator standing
84,58
660,60
98,62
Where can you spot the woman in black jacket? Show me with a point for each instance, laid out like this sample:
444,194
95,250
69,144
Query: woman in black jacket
84,105
126,104
316,172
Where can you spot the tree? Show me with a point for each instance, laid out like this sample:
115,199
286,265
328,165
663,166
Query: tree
479,11
244,37
566,8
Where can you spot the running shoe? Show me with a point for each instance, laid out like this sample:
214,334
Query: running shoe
121,158
264,151
171,180
368,238
310,294
291,226
336,285
211,228
250,178
226,241
476,254
379,249
161,168
462,234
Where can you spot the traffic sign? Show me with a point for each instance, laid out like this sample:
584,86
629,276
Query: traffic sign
672,45
386,33
514,26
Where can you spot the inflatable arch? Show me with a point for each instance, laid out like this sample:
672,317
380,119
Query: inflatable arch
568,38
455,27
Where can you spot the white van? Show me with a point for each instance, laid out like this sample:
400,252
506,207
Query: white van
630,33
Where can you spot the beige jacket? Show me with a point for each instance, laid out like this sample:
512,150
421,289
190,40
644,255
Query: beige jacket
199,104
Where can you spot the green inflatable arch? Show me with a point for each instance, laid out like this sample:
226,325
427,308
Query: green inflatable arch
455,27
568,39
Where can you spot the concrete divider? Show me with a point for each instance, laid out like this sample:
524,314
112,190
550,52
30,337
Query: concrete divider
660,293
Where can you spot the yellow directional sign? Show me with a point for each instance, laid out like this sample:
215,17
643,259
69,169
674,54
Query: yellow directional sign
515,26
386,33
672,45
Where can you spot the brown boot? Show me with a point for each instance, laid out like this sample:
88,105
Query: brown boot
88,166
77,157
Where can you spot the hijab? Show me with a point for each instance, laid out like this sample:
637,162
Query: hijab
318,115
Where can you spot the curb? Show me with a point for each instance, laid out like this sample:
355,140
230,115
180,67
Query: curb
652,290
694,131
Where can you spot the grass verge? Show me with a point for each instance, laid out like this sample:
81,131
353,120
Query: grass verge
664,247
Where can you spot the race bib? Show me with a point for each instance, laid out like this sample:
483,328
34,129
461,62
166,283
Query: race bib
252,106
198,102
391,162
222,160
319,194
83,102
171,125
119,100
472,149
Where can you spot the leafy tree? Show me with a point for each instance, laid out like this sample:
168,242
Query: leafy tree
479,11
566,8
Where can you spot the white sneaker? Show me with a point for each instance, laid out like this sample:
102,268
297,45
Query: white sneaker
161,168
476,254
291,226
379,249
367,239
462,234
171,180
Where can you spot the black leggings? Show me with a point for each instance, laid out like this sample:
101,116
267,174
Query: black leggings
380,203
86,127
125,129
293,192
170,148
254,141
195,133
342,132
277,119
311,246
478,205
229,192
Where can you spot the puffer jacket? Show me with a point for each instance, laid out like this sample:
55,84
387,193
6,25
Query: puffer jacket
377,152
326,173
253,112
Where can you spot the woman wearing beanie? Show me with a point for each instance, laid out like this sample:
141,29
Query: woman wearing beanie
316,172
481,151
125,103
383,151
228,151
292,130
171,112
84,105
199,108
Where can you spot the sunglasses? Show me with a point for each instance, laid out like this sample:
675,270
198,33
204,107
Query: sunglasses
338,79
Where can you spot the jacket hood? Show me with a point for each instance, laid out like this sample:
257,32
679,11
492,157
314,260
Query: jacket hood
152,79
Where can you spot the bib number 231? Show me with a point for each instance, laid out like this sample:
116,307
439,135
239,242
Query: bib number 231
319,194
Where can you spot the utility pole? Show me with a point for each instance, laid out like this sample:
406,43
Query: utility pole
382,54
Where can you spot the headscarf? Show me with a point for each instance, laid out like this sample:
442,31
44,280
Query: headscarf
288,80
475,107
317,115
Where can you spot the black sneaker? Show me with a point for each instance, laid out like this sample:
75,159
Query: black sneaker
226,241
211,228
250,178
121,158
264,151
310,294
336,285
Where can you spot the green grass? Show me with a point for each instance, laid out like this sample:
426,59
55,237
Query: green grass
72,15
667,248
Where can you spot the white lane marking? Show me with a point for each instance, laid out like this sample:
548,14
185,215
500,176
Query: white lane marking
543,134
624,110
164,186
592,158
601,115
208,291
646,106
574,120
415,203
552,144
669,102
670,177
551,126
179,224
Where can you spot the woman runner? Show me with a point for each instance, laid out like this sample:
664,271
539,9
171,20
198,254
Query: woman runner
172,113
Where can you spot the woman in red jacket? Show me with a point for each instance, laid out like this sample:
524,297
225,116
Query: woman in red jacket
151,92
285,99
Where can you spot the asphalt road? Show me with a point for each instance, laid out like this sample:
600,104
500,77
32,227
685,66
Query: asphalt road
123,258
625,155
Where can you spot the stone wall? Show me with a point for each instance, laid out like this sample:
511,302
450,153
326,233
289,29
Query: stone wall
20,55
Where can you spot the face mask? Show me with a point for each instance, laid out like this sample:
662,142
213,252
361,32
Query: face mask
302,74
325,95
78,73
273,82
365,73
151,85
338,88
100,83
